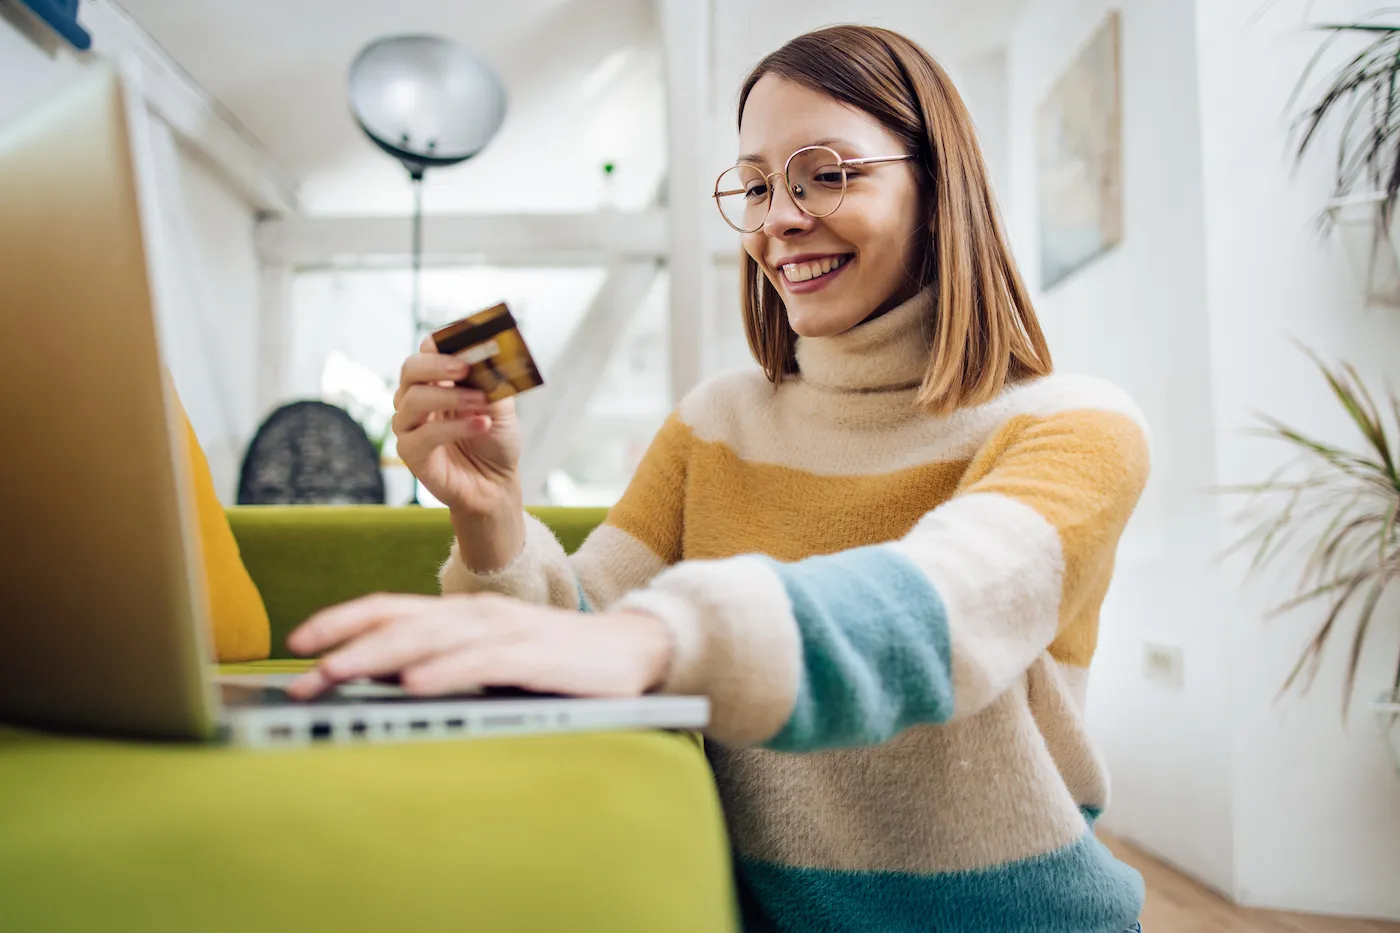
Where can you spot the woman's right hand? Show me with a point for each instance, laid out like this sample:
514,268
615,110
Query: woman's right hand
463,449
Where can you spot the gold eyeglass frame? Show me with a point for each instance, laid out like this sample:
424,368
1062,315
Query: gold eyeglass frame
841,163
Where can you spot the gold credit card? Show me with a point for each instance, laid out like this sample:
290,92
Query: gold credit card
490,341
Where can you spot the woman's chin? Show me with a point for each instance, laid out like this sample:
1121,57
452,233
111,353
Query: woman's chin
822,322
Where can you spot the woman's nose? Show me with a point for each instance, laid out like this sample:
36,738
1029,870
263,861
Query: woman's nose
784,217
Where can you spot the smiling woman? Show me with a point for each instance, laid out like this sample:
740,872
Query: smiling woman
881,558
847,204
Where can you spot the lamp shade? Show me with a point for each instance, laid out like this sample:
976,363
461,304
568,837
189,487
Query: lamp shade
425,100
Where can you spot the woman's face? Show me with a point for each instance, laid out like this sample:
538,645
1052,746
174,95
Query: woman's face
869,242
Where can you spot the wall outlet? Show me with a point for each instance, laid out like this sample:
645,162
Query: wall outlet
1164,664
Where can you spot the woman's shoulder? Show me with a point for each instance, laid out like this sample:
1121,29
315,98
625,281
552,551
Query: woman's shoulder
1062,403
1060,393
1069,411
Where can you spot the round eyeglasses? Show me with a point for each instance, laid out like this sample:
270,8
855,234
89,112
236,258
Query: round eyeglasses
814,176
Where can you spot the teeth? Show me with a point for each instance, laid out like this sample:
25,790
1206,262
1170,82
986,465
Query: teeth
806,271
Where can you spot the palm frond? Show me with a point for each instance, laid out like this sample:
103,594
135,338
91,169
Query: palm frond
1364,93
1343,515
1363,623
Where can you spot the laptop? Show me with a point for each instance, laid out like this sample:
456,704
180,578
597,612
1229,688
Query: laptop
104,629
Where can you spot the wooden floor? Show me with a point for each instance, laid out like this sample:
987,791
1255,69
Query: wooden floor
1176,904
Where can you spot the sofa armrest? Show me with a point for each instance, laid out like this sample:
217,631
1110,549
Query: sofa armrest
304,558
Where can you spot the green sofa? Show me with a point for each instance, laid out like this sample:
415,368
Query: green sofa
607,832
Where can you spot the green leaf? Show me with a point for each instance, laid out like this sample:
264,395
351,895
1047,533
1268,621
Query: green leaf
1341,517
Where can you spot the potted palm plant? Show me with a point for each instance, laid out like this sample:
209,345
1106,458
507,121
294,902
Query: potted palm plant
1345,505
1361,98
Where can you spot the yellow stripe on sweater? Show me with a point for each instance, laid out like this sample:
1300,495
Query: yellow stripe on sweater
735,507
1051,464
696,499
652,510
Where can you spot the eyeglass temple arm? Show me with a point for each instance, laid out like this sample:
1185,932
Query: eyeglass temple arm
876,159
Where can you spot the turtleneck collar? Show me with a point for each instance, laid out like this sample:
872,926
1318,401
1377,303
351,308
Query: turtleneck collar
890,352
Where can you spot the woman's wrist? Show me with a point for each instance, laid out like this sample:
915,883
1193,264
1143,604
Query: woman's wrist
657,646
488,542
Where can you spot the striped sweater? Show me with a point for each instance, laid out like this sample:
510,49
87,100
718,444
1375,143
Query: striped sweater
893,615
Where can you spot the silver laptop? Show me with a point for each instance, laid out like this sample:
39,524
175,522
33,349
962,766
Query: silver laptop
102,627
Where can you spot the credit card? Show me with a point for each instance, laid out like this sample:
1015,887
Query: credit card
490,341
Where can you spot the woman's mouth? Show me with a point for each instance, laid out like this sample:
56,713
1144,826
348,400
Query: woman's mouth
808,276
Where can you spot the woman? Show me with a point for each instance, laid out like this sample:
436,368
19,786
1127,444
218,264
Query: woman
881,558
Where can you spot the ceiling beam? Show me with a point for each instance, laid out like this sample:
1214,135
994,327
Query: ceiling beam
198,120
312,242
500,239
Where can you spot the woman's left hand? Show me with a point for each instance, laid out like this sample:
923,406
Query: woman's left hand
452,644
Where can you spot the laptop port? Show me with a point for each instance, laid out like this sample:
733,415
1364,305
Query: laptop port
280,733
419,725
359,727
456,723
320,731
502,722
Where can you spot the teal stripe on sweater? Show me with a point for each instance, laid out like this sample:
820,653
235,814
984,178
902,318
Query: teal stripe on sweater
1081,888
875,649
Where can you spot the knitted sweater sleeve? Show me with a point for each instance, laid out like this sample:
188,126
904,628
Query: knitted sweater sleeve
640,537
850,649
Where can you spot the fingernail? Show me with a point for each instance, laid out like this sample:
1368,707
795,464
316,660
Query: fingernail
459,369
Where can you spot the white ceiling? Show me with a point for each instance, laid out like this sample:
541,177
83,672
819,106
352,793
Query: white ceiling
952,30
584,79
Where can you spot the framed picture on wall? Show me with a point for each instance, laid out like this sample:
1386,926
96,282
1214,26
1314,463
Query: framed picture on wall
1079,158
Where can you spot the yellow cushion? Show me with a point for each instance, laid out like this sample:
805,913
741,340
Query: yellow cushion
236,611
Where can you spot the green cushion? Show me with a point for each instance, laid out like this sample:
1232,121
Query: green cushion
609,833
306,558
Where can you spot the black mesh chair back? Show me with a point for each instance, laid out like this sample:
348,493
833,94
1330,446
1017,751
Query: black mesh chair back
311,453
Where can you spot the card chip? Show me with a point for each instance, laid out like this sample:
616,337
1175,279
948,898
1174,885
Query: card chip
490,341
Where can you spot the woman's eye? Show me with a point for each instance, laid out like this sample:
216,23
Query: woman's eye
756,191
829,178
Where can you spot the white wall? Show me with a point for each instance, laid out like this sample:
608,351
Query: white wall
210,339
1273,804
28,73
211,334
983,83
1317,811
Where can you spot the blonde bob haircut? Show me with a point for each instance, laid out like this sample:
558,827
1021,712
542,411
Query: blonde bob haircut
983,332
